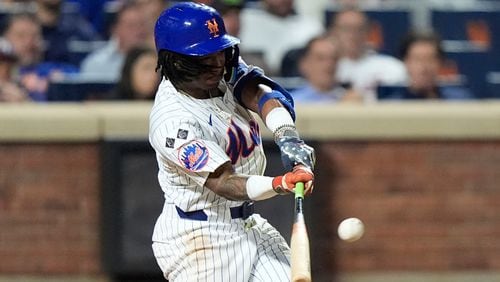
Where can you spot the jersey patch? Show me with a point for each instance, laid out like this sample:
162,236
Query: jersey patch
169,142
193,155
182,133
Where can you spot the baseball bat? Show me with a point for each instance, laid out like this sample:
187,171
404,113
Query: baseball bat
299,241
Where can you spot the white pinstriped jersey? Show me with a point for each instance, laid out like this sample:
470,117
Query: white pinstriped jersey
192,137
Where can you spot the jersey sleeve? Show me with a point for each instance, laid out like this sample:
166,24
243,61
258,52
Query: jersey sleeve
186,145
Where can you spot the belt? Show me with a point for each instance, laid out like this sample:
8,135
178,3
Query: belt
243,211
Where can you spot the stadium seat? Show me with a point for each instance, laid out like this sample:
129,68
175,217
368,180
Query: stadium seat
78,89
468,31
471,39
79,49
492,80
474,72
289,64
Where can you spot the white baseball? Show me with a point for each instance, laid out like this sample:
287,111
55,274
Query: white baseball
351,229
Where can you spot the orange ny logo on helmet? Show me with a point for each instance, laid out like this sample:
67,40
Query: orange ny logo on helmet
213,27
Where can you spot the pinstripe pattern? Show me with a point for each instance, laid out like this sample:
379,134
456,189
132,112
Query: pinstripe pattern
220,249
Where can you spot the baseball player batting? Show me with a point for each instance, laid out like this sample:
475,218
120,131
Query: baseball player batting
210,156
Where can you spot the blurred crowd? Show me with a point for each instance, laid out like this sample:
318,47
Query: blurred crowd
329,56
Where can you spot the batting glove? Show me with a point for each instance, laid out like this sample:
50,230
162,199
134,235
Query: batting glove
286,183
295,152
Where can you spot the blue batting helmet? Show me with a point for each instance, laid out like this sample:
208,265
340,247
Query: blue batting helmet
192,29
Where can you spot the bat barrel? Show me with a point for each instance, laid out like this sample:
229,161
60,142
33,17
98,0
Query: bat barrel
300,257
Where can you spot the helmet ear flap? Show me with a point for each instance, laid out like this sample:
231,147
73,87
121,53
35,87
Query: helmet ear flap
232,57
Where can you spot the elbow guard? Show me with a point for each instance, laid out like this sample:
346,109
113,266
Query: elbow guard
245,74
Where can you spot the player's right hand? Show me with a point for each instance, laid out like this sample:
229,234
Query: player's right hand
286,183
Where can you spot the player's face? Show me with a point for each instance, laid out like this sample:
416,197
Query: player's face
211,78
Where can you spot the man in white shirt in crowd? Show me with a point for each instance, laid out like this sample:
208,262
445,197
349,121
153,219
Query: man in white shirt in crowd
273,27
359,66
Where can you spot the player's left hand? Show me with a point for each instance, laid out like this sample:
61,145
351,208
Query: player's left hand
295,152
286,183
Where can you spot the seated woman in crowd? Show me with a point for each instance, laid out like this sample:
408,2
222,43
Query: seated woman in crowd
423,56
139,79
10,91
24,33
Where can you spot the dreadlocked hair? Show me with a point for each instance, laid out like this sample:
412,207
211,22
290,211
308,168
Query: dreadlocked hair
179,68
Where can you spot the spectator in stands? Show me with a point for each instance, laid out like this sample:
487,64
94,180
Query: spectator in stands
359,66
318,64
128,31
152,10
9,89
423,56
273,27
23,31
139,79
230,11
63,32
94,12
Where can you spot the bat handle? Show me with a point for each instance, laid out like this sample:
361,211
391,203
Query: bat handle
299,190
